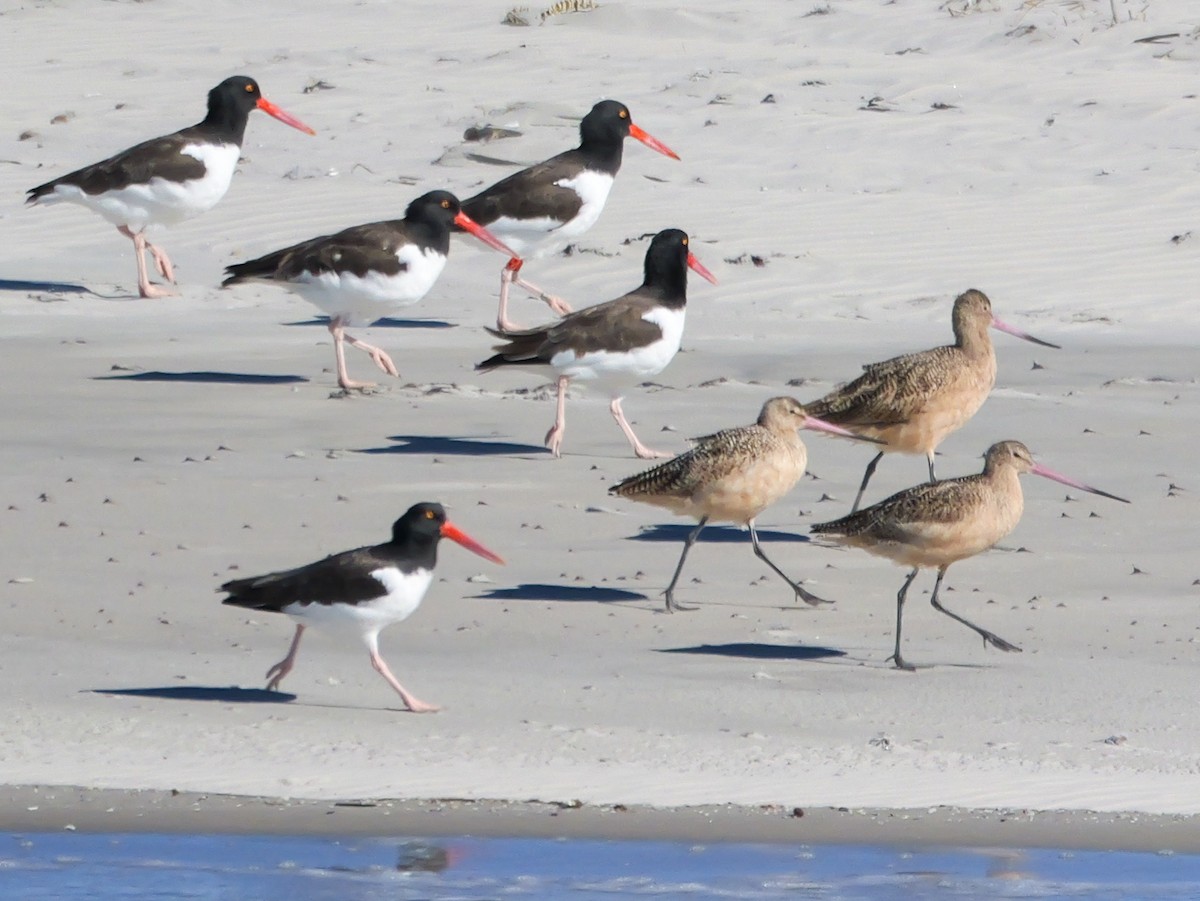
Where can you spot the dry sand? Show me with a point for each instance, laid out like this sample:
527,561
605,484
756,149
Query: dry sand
1035,150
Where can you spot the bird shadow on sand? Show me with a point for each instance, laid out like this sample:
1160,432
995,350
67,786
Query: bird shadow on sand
228,694
757,651
452,446
535,591
16,284
386,322
203,377
714,534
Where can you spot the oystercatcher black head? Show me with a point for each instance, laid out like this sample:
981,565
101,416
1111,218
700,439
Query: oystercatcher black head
668,258
230,104
441,211
361,590
416,534
167,179
602,135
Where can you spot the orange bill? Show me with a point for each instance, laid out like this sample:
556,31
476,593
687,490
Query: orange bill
454,533
652,142
698,267
465,222
285,117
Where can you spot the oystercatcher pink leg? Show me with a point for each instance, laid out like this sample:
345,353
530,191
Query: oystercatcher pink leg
146,288
510,275
382,360
411,701
276,674
162,262
639,449
554,437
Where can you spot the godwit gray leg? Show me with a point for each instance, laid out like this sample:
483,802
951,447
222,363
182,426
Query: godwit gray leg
932,477
276,673
801,594
866,478
896,658
988,638
672,606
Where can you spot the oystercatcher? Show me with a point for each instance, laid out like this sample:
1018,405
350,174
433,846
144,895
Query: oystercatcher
360,591
365,272
166,180
542,208
617,343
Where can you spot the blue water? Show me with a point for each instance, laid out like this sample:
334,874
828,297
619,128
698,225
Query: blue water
36,867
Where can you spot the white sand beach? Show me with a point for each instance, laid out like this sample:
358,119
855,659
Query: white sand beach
877,158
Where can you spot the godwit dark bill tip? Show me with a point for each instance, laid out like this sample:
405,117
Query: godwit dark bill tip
1047,473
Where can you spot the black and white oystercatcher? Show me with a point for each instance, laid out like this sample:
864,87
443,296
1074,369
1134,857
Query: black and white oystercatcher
368,271
617,343
359,591
166,180
543,208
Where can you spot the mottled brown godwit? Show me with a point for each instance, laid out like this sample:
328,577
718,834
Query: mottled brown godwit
732,476
939,523
914,401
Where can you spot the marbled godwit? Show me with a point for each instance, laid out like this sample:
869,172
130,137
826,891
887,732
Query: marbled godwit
617,343
733,476
940,523
914,401
366,272
359,591
166,180
544,207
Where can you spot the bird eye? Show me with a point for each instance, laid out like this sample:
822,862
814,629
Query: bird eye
445,204
624,114
429,514
249,89
685,242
